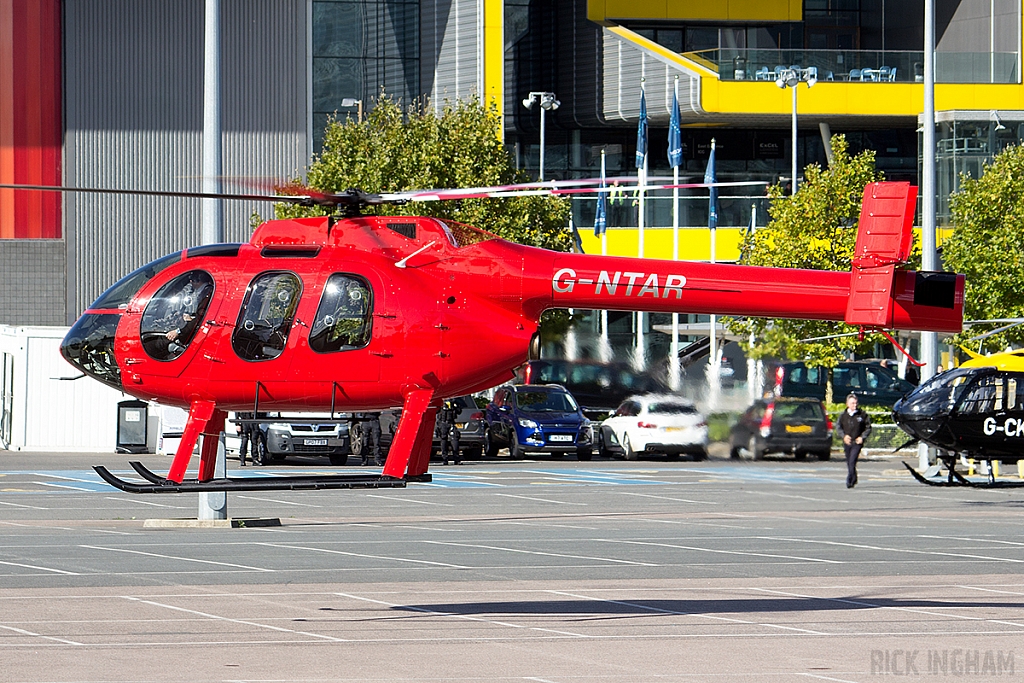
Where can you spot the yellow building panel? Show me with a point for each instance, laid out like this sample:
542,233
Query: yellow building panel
601,11
694,243
494,53
852,99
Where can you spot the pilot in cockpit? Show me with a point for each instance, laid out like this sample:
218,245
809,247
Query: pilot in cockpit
182,321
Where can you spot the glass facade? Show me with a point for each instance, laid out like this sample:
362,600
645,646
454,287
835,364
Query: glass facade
360,49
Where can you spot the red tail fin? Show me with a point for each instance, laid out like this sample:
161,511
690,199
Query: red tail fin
883,242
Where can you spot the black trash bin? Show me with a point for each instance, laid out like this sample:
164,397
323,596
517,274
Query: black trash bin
132,427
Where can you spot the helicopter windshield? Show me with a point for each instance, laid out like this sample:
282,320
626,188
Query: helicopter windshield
120,294
343,319
266,316
175,313
940,393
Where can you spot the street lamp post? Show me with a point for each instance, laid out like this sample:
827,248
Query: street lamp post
358,104
548,102
791,78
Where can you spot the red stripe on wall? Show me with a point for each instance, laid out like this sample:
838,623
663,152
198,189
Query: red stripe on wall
6,117
30,116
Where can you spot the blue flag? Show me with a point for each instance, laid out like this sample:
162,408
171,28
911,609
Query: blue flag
601,217
675,136
641,132
709,177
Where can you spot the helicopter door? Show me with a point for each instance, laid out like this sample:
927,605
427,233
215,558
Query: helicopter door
173,325
989,415
257,340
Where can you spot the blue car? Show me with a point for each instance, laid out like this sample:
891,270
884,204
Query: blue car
537,419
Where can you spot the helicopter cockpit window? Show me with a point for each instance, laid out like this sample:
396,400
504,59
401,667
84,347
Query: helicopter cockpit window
984,397
175,313
344,318
266,316
461,235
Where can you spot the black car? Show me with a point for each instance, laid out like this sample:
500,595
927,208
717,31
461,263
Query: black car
783,425
599,387
873,382
472,428
470,422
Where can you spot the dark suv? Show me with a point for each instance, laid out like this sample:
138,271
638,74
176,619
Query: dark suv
537,418
599,387
783,425
874,383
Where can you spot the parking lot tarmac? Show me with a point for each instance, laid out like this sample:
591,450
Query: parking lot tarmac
536,570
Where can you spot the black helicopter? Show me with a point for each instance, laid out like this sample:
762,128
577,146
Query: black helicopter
976,410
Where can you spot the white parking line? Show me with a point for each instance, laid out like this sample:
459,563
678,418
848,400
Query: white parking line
865,603
724,552
893,550
141,502
175,557
409,500
372,557
467,617
681,500
236,621
19,505
62,486
39,635
540,500
42,569
537,552
280,502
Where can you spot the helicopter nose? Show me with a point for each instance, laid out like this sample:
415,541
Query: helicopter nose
89,346
910,414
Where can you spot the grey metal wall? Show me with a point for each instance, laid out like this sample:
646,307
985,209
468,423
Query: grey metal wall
33,280
625,63
133,119
451,41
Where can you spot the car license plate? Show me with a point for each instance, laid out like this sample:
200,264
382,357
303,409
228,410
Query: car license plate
314,442
560,437
461,425
675,429
798,429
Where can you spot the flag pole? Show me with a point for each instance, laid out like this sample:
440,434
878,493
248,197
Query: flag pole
605,345
641,158
713,376
674,153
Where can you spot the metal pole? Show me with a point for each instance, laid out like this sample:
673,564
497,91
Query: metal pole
929,257
213,505
541,176
794,138
674,361
606,355
213,224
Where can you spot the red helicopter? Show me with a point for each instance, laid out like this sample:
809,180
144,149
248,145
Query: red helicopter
369,312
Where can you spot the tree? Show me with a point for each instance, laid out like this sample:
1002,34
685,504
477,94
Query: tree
393,150
817,229
988,242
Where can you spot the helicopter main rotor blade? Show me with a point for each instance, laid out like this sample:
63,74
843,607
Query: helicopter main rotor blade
152,193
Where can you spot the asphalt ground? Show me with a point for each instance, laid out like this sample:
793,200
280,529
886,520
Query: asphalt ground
541,570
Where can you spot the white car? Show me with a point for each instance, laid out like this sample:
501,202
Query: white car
654,424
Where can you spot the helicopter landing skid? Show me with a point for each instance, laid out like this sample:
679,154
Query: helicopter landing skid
158,484
957,479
